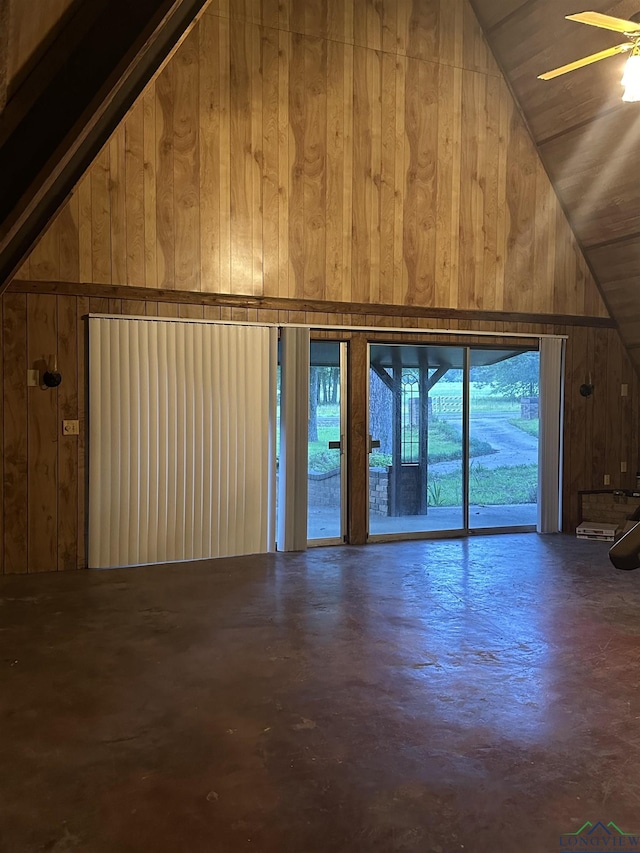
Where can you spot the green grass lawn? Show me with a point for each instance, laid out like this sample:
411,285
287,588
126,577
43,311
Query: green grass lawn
516,484
445,443
530,426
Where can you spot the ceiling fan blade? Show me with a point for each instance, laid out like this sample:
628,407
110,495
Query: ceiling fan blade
606,22
587,60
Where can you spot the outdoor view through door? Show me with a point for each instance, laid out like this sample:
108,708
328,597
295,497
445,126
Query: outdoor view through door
433,469
326,441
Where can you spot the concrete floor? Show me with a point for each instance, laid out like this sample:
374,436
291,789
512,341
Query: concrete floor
477,694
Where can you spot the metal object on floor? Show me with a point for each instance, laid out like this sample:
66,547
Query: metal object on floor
625,554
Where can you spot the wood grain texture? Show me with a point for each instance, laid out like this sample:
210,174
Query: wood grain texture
357,151
67,471
14,340
42,437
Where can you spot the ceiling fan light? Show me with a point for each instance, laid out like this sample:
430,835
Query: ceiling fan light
631,78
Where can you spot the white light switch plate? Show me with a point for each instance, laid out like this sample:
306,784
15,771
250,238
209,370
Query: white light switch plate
70,427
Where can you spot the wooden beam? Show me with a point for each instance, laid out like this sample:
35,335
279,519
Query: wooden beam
4,51
111,291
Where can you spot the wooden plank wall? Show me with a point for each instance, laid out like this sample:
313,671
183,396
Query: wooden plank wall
42,513
345,150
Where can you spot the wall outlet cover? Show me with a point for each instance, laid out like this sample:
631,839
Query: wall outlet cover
71,427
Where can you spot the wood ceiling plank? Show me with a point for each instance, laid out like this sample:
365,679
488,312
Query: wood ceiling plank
616,261
622,296
594,170
492,12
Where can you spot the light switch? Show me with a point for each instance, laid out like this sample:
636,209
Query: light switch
71,427
607,480
623,467
624,390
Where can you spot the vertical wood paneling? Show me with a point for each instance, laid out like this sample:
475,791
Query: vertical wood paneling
101,216
296,155
186,165
242,154
421,126
165,216
81,349
270,62
85,229
42,437
273,157
362,184
209,152
119,204
70,240
45,258
14,348
314,180
135,193
520,188
150,204
68,475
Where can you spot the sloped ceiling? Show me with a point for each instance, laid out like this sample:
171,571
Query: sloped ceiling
588,139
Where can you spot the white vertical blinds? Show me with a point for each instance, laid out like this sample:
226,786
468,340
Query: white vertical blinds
550,434
294,436
182,444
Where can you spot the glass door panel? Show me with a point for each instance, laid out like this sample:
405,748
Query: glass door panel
416,418
326,442
503,438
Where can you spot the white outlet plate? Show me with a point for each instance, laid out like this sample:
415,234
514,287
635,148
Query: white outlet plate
624,390
70,427
623,467
607,479
33,378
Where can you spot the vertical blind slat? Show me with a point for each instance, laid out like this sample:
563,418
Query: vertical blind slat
180,451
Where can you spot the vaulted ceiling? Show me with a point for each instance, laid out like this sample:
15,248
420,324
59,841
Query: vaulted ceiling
588,139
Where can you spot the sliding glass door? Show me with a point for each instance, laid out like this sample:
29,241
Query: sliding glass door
416,452
326,443
453,439
503,437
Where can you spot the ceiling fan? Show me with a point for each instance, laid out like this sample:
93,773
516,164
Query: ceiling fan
631,29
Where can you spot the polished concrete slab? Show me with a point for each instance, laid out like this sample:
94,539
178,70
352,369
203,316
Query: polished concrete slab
477,695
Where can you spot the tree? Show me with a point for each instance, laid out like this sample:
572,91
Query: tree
314,391
514,377
381,412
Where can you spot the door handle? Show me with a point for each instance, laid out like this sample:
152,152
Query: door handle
373,443
336,445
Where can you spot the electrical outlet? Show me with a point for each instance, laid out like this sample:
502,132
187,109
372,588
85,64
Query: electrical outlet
33,378
70,427
607,480
623,467
624,390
